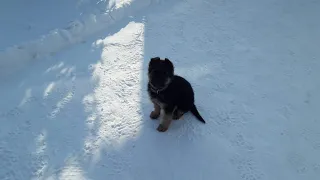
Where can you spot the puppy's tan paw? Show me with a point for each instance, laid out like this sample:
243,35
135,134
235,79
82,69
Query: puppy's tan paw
161,128
154,115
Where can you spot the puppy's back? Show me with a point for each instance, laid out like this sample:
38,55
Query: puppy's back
183,91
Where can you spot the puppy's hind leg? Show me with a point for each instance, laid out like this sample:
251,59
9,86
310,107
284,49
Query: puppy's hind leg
177,114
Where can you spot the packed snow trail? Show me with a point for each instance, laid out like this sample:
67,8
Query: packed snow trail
254,66
28,20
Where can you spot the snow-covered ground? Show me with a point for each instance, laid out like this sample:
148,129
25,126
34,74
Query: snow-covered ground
28,20
78,107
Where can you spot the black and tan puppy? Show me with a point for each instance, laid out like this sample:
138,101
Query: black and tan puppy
169,92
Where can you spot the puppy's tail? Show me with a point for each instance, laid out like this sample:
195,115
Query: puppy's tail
195,112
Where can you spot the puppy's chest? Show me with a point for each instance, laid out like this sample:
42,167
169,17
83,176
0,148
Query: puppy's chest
158,102
161,99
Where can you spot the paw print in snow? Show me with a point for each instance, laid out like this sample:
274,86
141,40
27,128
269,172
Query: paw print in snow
247,168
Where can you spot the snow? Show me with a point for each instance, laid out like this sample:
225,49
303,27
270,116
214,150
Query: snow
82,112
15,57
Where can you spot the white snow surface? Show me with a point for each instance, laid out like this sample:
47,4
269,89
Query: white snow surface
95,16
83,112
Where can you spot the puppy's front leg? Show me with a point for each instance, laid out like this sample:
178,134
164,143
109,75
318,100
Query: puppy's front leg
156,112
166,120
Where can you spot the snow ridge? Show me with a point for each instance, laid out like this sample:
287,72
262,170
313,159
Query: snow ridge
14,58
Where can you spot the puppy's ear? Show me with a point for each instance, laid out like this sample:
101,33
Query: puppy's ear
169,64
167,60
155,59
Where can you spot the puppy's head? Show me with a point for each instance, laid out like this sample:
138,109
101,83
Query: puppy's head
160,72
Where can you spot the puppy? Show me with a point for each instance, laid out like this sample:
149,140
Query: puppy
168,92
